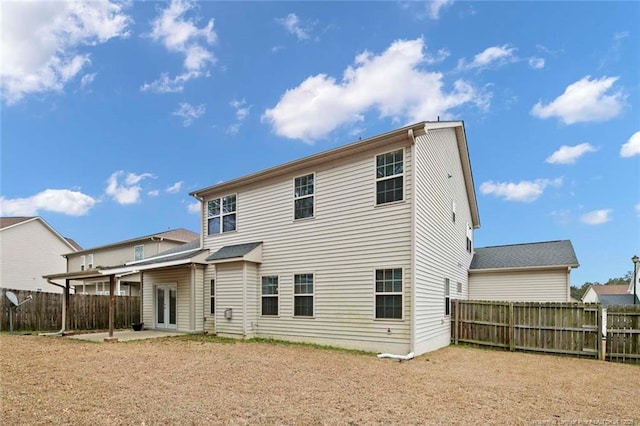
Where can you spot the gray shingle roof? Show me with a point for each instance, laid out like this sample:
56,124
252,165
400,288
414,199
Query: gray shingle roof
616,299
549,253
229,252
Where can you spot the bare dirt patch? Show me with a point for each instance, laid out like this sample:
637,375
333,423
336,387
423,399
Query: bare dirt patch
179,380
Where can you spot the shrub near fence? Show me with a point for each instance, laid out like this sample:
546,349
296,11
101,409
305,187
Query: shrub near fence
86,312
561,328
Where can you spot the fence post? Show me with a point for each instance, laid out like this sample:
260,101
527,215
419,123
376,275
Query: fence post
456,321
602,312
512,345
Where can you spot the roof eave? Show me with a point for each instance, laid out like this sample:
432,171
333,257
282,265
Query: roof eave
522,268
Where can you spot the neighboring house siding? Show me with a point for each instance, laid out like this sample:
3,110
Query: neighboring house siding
590,296
525,286
344,243
440,244
118,255
28,251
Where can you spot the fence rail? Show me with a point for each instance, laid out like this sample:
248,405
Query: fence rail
86,312
561,328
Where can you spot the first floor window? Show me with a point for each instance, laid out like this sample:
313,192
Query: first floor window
447,297
389,293
212,297
390,177
270,295
221,215
303,295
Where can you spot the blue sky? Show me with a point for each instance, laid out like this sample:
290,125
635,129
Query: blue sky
112,112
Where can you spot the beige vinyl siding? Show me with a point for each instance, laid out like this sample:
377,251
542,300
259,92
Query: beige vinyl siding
229,295
522,286
118,254
348,238
28,251
440,244
181,276
198,297
590,296
252,298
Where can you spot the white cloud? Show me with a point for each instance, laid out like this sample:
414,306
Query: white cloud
194,207
43,44
153,193
391,83
181,35
189,113
291,22
242,112
127,191
491,56
436,6
637,208
536,63
86,80
569,154
585,100
632,146
523,191
596,217
176,187
72,203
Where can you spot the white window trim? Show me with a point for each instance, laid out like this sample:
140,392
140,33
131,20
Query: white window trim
83,262
304,196
312,294
401,293
134,252
277,295
90,261
222,214
377,179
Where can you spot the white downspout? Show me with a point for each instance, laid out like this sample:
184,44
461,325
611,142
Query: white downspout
412,323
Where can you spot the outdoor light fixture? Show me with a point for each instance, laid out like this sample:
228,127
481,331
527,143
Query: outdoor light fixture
635,259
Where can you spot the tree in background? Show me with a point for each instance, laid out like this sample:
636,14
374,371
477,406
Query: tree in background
578,292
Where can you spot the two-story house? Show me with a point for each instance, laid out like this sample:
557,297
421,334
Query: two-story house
29,248
362,246
118,253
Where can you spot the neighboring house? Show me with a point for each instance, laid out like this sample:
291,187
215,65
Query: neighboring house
534,272
29,248
609,295
362,246
119,253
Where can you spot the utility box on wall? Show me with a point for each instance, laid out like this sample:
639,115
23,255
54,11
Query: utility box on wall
228,313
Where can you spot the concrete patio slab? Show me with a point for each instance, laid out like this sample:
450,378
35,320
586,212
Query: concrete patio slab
124,335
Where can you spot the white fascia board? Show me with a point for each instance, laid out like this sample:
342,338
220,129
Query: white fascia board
134,269
521,268
134,262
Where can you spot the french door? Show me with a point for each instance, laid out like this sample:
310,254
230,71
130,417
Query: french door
166,306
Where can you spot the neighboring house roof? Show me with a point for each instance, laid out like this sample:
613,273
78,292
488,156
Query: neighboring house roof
610,289
616,299
73,243
379,141
10,222
233,252
525,256
180,235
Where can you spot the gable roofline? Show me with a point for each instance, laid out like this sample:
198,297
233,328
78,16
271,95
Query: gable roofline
406,133
165,235
28,219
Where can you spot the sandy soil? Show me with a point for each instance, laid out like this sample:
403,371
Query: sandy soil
180,380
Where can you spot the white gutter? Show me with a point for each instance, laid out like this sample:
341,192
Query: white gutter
133,269
135,262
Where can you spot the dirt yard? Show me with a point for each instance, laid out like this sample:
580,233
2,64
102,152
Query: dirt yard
180,380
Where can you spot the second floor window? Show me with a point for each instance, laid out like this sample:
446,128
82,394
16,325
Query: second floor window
303,196
89,261
221,214
83,262
390,177
138,252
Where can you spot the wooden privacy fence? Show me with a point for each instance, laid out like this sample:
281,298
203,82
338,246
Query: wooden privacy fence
86,312
562,328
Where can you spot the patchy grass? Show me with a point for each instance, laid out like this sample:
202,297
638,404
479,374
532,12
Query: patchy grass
200,379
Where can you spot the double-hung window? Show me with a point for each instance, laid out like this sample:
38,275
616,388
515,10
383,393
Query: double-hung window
138,252
303,295
221,214
303,196
389,293
390,177
90,261
83,262
447,297
270,295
